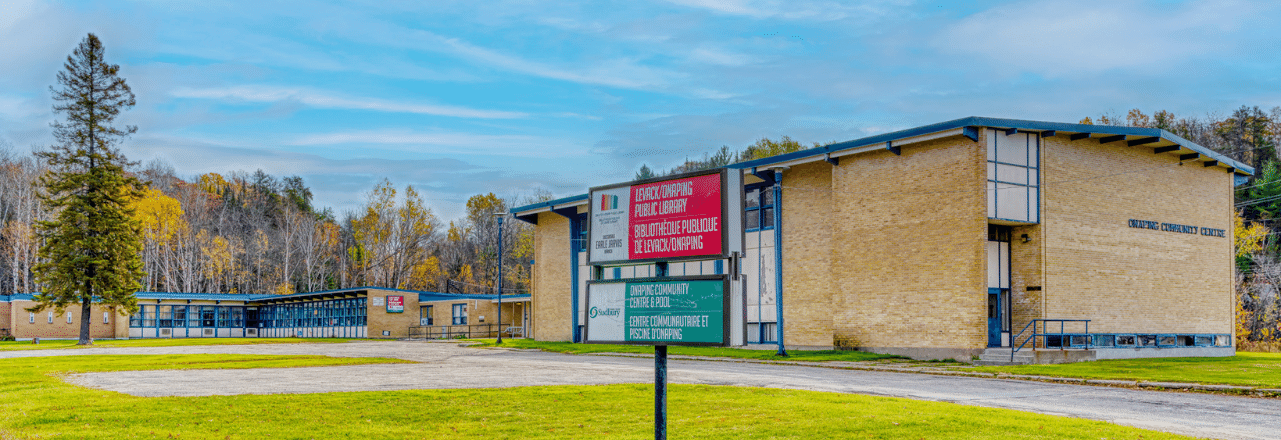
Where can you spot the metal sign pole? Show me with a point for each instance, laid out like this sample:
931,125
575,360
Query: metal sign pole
660,392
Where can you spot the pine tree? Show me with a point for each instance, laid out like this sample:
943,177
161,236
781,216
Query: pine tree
91,250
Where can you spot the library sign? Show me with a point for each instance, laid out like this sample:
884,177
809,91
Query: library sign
677,312
667,220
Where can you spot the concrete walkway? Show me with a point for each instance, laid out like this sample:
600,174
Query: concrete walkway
446,365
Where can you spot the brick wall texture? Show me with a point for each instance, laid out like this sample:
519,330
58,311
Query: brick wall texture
395,324
20,326
552,288
1128,279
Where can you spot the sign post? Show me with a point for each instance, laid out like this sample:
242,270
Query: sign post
659,221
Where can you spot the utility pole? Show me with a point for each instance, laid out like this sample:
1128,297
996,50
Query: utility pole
499,216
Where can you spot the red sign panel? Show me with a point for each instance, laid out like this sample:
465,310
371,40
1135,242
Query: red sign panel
675,218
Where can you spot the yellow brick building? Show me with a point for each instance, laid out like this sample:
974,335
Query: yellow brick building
961,239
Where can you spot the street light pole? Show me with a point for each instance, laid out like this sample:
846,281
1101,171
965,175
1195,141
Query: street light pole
499,216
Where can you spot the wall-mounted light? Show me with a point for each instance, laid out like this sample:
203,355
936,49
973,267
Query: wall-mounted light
1025,239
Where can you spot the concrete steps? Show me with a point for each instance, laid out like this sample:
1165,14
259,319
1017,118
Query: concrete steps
1001,356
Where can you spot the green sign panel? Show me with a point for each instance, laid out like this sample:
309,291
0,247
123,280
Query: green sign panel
680,312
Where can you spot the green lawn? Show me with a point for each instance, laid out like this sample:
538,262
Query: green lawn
34,403
1247,369
71,343
738,353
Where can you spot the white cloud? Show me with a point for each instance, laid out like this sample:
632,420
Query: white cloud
448,143
617,72
252,93
1056,38
795,9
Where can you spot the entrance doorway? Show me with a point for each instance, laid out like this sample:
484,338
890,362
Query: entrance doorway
998,286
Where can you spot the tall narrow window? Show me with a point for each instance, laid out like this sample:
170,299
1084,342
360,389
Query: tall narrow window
1013,176
31,318
68,317
106,317
758,208
51,317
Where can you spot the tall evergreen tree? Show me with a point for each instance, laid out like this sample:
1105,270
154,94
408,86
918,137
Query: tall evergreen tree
91,250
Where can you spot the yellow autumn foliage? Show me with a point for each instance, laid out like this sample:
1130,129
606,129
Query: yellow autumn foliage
1248,239
159,215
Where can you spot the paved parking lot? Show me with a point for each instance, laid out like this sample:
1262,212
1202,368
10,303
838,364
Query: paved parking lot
446,365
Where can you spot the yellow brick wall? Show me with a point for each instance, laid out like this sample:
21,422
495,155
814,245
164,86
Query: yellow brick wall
396,324
6,316
1025,271
908,265
807,255
60,329
1127,279
552,289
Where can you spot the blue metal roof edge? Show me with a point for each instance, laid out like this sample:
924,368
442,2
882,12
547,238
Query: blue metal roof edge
441,296
996,123
548,203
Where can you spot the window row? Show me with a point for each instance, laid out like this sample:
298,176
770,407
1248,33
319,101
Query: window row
31,317
170,316
329,313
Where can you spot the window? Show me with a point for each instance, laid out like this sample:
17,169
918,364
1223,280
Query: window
106,318
164,315
68,317
1013,176
31,318
207,316
758,208
581,232
460,314
51,317
425,316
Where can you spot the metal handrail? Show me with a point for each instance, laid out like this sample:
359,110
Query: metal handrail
450,331
1045,325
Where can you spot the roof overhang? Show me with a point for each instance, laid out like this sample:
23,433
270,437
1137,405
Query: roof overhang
1160,141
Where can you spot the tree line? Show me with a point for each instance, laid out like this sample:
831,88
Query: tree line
258,233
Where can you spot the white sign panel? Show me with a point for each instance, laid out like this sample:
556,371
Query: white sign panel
376,301
605,317
610,224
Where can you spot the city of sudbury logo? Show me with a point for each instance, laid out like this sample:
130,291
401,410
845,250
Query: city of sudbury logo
608,202
594,312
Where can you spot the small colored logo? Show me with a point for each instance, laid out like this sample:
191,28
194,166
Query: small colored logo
594,312
608,202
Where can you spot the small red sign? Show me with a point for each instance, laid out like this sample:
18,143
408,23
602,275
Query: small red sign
676,218
395,304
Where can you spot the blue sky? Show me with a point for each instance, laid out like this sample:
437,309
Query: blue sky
460,98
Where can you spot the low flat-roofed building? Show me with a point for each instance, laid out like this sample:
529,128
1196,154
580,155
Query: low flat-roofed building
363,312
957,239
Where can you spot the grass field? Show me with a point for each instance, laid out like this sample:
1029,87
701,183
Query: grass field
35,403
71,343
737,353
1245,369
